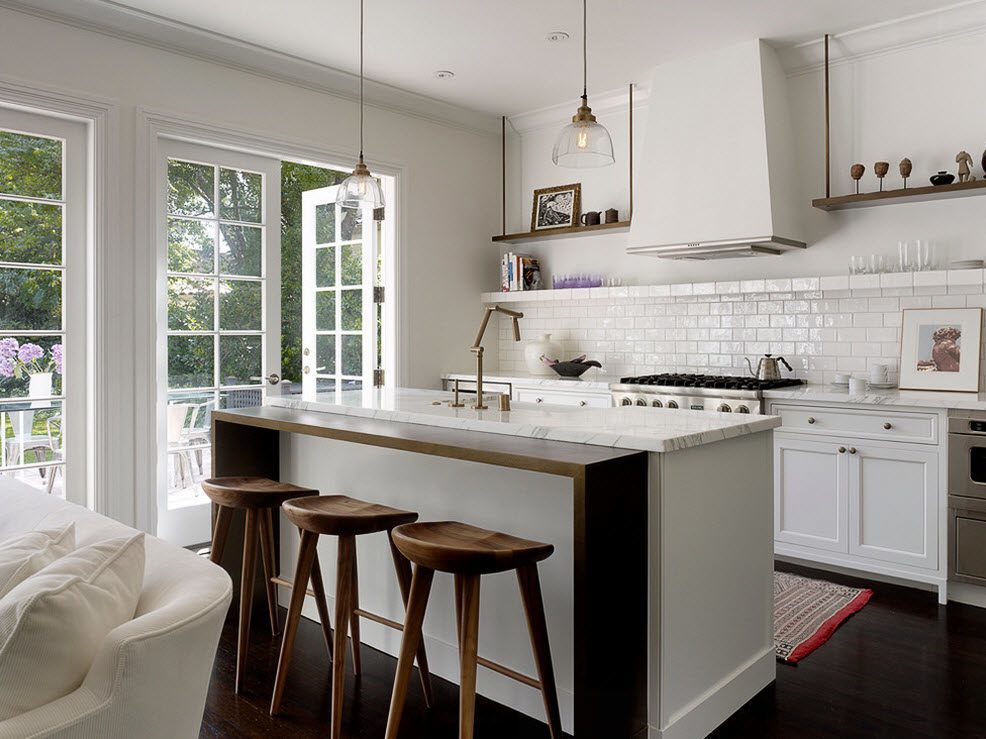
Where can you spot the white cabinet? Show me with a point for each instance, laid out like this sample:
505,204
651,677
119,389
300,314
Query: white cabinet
583,399
810,493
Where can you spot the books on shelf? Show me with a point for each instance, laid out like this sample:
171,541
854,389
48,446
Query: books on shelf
519,272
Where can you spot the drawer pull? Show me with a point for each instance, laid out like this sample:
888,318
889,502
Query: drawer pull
539,400
888,425
852,450
842,450
811,419
582,402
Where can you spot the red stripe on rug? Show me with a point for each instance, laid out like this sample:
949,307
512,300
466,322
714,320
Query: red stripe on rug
828,628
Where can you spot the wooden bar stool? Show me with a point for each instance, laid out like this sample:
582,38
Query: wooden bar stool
258,497
468,553
346,518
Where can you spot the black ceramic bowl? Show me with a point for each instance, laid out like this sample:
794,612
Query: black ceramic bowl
574,369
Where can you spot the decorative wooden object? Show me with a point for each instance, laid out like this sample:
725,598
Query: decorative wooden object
468,553
964,160
881,169
857,171
905,170
257,497
345,518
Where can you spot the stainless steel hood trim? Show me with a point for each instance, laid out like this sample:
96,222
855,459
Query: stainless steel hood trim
756,246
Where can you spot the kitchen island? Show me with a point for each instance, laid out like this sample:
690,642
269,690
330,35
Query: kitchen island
659,593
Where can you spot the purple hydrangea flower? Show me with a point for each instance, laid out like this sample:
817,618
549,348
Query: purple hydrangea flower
6,367
8,348
30,352
57,357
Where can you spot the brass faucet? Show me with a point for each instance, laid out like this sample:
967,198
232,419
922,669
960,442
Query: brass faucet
477,348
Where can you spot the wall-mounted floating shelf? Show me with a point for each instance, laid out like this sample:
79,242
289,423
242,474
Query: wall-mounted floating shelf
567,231
910,195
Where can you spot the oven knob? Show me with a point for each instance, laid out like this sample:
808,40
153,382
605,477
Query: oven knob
742,409
724,409
672,404
641,401
657,404
626,401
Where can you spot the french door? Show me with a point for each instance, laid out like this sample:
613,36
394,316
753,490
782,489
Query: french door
219,338
44,277
341,314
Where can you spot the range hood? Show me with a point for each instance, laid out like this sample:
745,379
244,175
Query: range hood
718,178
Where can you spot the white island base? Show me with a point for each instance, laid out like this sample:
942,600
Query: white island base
702,636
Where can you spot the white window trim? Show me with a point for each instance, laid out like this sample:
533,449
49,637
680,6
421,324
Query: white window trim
152,126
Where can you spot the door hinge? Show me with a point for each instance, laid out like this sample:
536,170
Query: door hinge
378,378
379,214
378,293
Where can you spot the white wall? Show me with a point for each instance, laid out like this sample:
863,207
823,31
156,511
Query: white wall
922,101
449,186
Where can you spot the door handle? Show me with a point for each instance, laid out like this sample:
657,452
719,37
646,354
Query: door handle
273,378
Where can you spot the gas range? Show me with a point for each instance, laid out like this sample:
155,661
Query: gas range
722,393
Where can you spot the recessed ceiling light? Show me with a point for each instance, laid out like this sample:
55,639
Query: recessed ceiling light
556,36
444,74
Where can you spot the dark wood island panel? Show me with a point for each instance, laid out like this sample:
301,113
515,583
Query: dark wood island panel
609,531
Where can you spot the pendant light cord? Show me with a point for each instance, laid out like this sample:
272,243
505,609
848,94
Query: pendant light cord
361,80
585,66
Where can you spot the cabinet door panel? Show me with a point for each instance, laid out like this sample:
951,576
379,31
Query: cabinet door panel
809,493
893,513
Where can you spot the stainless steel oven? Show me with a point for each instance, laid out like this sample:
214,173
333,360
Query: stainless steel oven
967,455
967,497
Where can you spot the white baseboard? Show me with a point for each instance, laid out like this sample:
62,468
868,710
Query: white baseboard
722,701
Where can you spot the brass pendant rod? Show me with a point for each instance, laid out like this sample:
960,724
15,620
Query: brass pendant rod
630,147
828,145
585,63
361,80
503,175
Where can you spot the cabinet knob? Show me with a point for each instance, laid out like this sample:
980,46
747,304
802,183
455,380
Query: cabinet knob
842,450
539,400
888,425
582,402
811,419
852,450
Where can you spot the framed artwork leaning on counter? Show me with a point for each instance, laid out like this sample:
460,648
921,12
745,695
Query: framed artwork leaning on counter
940,348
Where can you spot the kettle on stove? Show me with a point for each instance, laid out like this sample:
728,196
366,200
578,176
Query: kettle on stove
767,367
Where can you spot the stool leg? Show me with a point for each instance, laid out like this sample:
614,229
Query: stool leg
530,590
251,533
468,649
270,565
318,587
416,605
353,618
403,568
344,609
224,516
306,557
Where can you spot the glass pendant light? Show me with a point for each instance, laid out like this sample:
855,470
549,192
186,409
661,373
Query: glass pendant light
583,143
360,189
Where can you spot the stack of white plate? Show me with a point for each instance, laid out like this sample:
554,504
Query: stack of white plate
967,264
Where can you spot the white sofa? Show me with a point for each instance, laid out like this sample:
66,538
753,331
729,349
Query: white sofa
151,675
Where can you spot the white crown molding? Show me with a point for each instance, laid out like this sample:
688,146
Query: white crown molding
962,19
612,101
112,19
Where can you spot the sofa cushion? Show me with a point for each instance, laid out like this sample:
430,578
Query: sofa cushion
53,623
23,555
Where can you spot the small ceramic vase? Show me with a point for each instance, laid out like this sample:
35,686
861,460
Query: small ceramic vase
533,351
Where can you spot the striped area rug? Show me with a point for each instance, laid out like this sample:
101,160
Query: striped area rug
807,612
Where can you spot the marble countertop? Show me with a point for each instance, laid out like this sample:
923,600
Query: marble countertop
592,380
643,429
895,397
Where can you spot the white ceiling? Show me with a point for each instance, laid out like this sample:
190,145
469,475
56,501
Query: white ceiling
497,48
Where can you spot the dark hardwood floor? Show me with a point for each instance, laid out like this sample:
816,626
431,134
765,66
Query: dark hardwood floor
903,667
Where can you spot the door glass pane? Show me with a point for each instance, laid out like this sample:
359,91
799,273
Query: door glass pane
352,264
24,356
352,355
191,246
191,360
240,195
30,299
325,223
325,266
240,360
30,232
325,353
240,249
351,227
352,310
240,304
325,310
191,189
191,304
30,166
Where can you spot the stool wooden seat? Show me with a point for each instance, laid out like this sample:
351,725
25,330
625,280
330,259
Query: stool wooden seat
258,497
345,518
468,552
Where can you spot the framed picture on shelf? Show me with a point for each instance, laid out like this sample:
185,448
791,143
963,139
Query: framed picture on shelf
939,349
556,207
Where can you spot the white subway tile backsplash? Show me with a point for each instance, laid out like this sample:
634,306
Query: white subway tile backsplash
838,282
